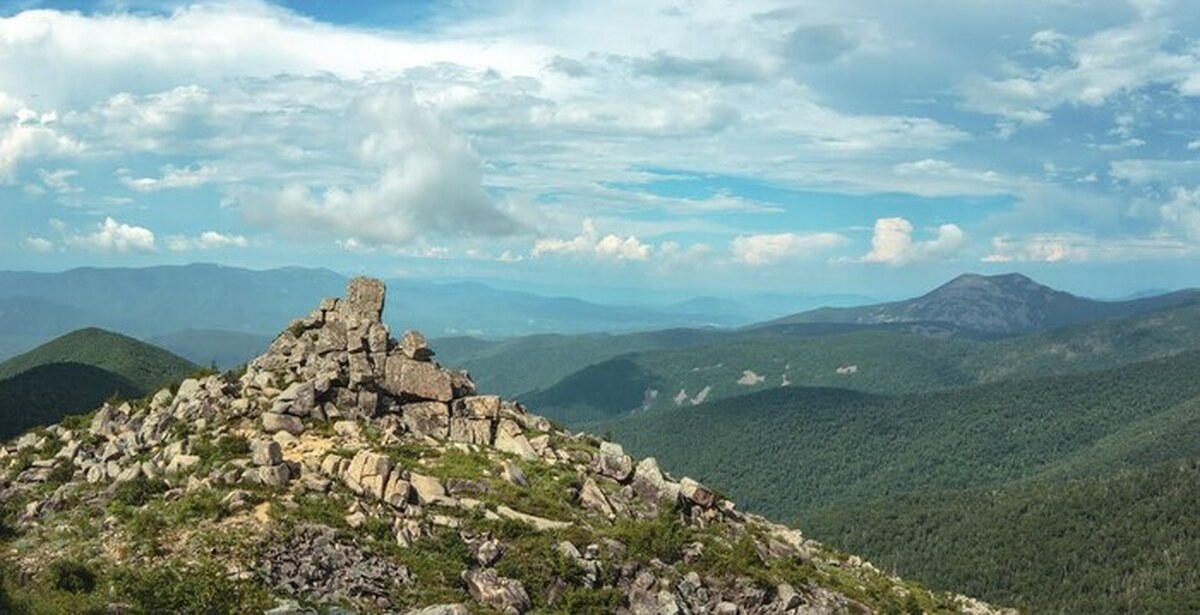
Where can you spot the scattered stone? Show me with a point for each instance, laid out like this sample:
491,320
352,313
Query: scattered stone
504,594
697,493
266,453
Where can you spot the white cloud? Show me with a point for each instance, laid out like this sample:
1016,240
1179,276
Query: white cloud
1096,68
892,243
38,244
423,179
208,240
590,244
770,249
113,236
1077,248
172,177
1145,171
31,136
1183,211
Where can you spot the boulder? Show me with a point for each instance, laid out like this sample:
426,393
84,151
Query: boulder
430,418
397,491
478,407
297,400
422,380
471,431
266,453
650,485
429,490
274,422
368,474
503,594
592,497
441,609
510,439
274,476
697,493
414,346
613,462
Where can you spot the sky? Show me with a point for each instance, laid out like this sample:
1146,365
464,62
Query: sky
703,147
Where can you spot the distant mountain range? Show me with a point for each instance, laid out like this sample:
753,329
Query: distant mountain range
1003,304
236,309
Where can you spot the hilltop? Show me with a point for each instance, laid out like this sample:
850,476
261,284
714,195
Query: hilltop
76,372
143,365
346,469
1000,304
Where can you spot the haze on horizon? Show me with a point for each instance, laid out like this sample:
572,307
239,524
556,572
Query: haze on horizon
797,147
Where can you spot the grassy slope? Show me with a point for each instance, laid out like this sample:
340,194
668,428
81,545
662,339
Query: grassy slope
144,366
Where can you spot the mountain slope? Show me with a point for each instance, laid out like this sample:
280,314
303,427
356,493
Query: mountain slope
869,358
1002,304
791,450
142,365
346,469
43,395
1122,543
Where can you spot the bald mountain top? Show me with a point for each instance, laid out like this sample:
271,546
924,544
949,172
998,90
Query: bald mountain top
346,471
1001,304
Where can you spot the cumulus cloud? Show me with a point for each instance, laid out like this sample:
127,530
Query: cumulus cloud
208,240
770,249
424,179
892,243
172,177
28,136
113,236
38,244
590,244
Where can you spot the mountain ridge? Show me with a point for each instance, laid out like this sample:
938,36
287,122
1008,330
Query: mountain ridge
1006,304
347,469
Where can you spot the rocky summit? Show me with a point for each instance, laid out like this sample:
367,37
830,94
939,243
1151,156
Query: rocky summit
345,471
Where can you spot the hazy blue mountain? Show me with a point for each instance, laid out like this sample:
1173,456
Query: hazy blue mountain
227,349
157,301
1002,304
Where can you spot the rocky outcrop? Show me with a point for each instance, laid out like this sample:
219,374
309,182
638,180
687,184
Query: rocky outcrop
348,454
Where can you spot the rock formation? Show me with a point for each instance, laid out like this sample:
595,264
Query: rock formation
347,468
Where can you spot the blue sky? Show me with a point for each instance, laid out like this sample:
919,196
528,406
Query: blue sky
701,147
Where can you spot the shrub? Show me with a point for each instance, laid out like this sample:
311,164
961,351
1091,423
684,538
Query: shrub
138,491
72,576
199,589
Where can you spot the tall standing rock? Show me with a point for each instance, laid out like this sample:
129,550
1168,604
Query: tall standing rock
364,298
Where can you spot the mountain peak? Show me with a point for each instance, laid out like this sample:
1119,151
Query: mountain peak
1002,280
347,467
